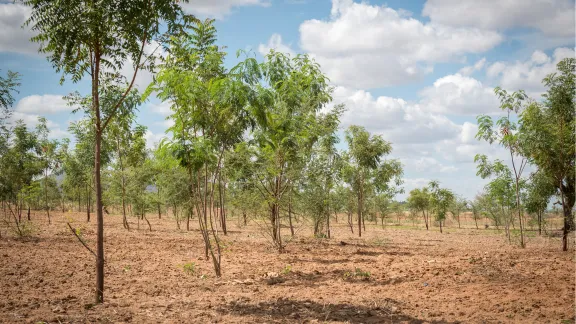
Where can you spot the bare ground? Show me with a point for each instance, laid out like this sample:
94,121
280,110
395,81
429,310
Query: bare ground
415,276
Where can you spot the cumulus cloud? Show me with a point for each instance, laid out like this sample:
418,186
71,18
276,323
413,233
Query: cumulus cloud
275,43
459,95
43,104
427,164
219,8
14,38
552,17
396,119
479,65
152,140
527,75
368,46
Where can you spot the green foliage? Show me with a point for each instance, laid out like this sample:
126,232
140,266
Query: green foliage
357,274
286,270
189,268
440,201
365,171
548,133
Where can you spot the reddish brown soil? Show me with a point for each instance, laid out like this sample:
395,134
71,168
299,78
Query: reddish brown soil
416,276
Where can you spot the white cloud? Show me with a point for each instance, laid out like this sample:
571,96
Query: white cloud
367,46
43,104
479,65
275,43
527,75
14,38
397,120
162,108
459,95
152,140
219,8
427,164
552,17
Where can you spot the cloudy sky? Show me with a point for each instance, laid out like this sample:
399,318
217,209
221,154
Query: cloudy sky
417,72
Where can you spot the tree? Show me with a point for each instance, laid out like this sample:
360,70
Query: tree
440,201
500,190
547,131
364,169
113,33
460,204
505,132
539,191
49,159
290,94
419,199
477,209
209,112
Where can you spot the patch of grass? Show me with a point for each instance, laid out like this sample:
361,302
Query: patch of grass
357,274
127,268
380,242
189,268
474,259
287,269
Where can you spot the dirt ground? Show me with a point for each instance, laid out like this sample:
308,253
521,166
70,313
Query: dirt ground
392,275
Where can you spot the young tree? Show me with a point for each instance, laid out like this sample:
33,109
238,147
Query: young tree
440,201
293,92
419,199
364,169
113,33
209,112
49,159
500,190
460,204
540,189
547,131
505,132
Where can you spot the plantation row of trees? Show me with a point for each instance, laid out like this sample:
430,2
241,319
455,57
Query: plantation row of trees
259,139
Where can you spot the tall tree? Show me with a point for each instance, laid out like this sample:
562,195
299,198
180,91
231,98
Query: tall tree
419,199
365,168
540,189
505,133
548,134
440,200
98,39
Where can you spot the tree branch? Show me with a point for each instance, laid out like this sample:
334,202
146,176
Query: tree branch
81,240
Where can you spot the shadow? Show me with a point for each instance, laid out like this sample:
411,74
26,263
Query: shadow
300,311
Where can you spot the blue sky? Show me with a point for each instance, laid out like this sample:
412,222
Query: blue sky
417,72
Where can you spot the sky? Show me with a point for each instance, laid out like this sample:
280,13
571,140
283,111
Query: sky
416,72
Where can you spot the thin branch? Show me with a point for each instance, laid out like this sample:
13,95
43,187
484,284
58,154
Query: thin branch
81,240
138,65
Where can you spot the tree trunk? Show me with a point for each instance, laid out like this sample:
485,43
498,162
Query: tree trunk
289,216
28,211
360,212
46,196
425,219
244,216
458,218
350,222
328,221
476,221
440,222
87,203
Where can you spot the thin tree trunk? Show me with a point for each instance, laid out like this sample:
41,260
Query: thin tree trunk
425,219
360,211
46,196
289,216
87,203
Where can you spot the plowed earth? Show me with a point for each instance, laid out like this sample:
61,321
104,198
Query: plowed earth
392,275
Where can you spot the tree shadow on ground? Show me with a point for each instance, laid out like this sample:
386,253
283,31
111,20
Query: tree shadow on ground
300,311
